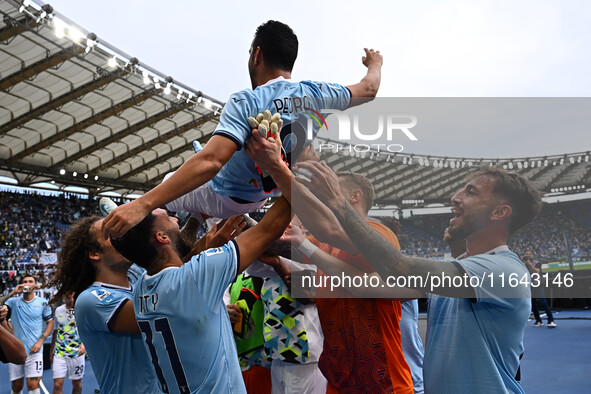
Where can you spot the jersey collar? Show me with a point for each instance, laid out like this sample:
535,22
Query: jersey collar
159,272
278,79
97,283
498,249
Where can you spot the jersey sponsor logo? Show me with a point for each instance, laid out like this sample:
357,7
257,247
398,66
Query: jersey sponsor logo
236,100
332,85
102,295
214,251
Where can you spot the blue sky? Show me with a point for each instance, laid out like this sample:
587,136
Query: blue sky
454,48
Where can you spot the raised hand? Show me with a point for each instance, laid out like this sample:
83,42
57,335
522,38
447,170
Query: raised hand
122,218
322,182
372,58
264,152
230,230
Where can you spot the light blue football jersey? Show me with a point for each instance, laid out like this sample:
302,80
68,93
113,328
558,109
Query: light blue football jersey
119,361
473,345
185,324
294,101
27,319
134,273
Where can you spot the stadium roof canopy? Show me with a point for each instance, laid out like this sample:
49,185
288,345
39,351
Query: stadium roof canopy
76,111
73,104
408,180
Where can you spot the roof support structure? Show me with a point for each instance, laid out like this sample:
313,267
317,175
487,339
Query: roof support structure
150,144
124,133
17,27
39,67
97,118
171,154
59,101
37,171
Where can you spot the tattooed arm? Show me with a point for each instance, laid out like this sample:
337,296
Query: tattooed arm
381,254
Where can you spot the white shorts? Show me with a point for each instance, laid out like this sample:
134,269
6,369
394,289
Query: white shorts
32,368
290,378
205,200
74,366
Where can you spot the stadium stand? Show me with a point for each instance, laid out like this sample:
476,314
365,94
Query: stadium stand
32,225
546,236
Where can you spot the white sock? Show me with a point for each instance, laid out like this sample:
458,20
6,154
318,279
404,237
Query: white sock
16,392
35,391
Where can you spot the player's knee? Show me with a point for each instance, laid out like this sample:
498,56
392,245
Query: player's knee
32,384
58,385
18,385
77,385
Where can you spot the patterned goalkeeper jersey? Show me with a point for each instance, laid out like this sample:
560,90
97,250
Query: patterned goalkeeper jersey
67,343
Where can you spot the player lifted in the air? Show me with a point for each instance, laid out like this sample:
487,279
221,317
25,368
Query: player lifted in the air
221,180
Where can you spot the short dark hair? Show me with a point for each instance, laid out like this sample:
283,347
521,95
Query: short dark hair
278,43
521,194
28,276
136,245
357,181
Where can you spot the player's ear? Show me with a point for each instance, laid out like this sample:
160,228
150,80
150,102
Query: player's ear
501,212
258,56
356,196
162,237
94,256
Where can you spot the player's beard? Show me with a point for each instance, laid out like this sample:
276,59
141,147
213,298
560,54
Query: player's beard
252,77
182,247
251,71
471,223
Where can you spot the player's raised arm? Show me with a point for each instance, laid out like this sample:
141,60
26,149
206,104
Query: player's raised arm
325,185
317,218
254,241
196,171
369,85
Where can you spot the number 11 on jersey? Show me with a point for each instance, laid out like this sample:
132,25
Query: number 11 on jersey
163,327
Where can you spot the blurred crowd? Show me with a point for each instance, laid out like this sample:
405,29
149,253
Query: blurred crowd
558,229
31,226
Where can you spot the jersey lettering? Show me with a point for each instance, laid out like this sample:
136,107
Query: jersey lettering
292,105
148,303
